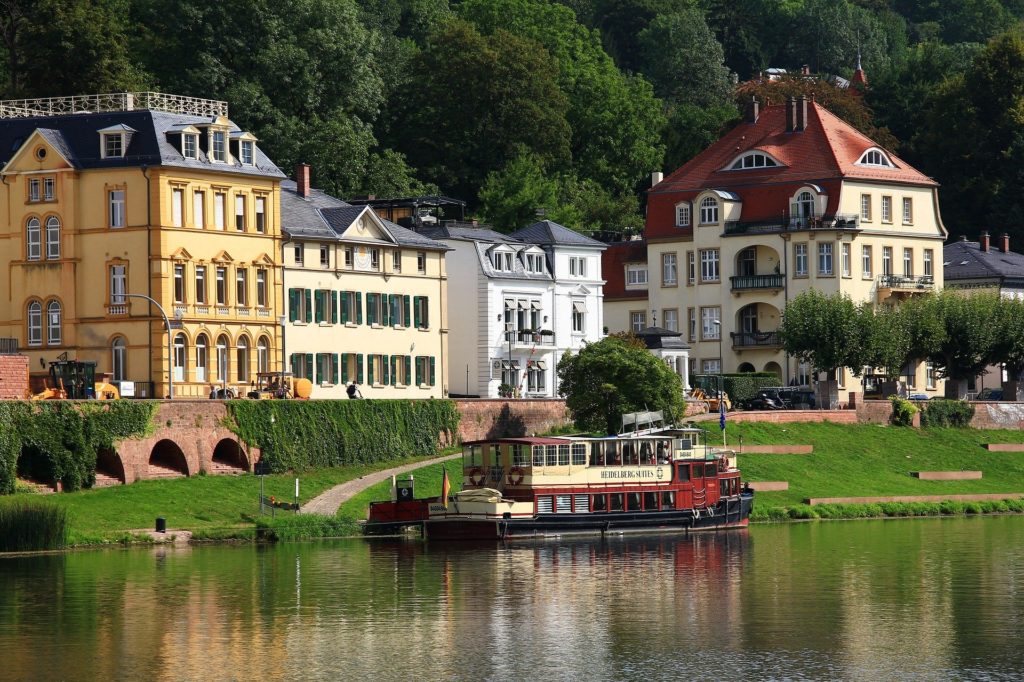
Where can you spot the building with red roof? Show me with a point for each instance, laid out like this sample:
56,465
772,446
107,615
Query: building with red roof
793,198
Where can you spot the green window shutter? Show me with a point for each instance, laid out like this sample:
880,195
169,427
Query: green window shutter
359,368
406,311
371,308
309,365
416,311
309,305
334,307
396,313
394,370
344,367
426,312
334,368
385,309
431,370
292,361
318,370
384,367
293,305
318,306
344,307
359,307
408,370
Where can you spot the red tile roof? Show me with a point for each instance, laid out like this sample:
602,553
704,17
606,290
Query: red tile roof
825,153
613,269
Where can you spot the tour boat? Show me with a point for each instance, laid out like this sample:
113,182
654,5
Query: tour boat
651,479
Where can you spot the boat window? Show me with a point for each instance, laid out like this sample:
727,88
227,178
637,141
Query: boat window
633,501
520,455
600,503
596,454
698,471
710,469
615,501
651,501
611,452
685,444
663,449
683,471
629,454
668,499
563,504
544,504
580,504
724,487
538,455
646,452
563,455
473,455
552,455
493,454
579,453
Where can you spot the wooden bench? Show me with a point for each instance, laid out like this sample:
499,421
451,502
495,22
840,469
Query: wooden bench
912,498
946,475
767,486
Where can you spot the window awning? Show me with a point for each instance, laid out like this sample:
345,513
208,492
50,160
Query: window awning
534,305
505,364
541,364
523,304
510,303
515,364
579,306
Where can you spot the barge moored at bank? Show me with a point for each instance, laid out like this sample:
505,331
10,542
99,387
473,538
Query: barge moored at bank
656,479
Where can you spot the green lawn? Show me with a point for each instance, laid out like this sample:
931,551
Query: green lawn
865,460
428,484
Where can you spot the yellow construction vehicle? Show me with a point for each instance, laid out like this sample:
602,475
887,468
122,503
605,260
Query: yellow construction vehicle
76,380
711,400
269,385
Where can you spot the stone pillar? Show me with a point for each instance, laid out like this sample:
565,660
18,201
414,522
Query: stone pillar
956,389
1013,390
686,371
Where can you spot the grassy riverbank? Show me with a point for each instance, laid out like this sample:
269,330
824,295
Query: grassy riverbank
868,460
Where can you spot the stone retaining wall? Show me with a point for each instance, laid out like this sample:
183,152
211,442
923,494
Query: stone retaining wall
791,416
493,418
1001,415
13,377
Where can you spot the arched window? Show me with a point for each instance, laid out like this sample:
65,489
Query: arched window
202,357
35,323
875,157
52,238
708,211
53,323
222,358
746,262
180,345
748,319
33,240
805,204
119,358
263,355
754,160
242,356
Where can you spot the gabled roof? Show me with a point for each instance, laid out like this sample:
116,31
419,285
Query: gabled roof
79,135
55,139
828,148
966,260
340,218
613,262
547,232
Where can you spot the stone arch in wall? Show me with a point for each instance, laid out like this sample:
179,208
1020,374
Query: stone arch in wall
774,368
109,468
167,460
745,367
229,457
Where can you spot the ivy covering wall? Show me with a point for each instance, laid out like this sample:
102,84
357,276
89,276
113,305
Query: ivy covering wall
297,435
59,440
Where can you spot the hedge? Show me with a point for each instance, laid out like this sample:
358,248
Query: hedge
941,412
740,387
299,435
59,440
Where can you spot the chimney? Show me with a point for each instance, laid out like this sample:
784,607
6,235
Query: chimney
656,177
755,109
805,70
1004,243
302,179
801,113
983,243
790,114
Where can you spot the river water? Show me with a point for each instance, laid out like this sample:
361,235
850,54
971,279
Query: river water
921,599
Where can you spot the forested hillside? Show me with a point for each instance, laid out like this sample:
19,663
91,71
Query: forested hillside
515,105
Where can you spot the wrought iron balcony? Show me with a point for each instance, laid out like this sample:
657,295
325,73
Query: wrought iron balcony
528,337
838,221
753,282
906,282
755,340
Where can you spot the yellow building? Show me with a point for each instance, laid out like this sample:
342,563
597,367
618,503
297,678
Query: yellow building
366,299
792,199
109,198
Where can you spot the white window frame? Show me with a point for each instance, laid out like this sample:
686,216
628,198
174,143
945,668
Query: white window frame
177,206
118,284
636,275
261,214
886,209
709,265
218,146
865,207
54,320
190,146
240,213
669,269
847,261
928,259
709,331
670,318
866,257
219,210
908,211
199,209
637,320
691,267
113,145
683,214
247,150
48,189
53,238
115,202
886,260
876,158
709,211
34,323
800,264
826,264
908,261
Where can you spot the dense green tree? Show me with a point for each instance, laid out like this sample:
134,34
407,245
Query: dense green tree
828,34
689,130
752,32
823,331
622,21
969,339
1009,344
615,376
479,100
684,61
601,210
519,193
615,119
885,340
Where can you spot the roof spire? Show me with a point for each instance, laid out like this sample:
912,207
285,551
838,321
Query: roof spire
860,78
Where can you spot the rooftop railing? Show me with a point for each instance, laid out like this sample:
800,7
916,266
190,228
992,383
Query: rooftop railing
115,101
839,221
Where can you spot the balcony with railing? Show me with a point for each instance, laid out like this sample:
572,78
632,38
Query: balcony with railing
8,346
904,286
838,221
757,282
755,340
530,338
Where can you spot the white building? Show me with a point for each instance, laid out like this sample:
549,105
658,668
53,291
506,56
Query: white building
517,303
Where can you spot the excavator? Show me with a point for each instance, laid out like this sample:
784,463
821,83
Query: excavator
76,380
710,399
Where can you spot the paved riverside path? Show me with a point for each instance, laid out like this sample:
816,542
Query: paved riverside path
327,503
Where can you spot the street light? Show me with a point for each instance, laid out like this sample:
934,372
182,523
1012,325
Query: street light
721,357
170,352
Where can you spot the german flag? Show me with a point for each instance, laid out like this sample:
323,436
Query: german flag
446,488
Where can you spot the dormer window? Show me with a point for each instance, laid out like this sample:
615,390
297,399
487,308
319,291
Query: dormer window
190,146
502,261
218,146
683,214
247,153
754,160
875,157
113,145
708,211
535,263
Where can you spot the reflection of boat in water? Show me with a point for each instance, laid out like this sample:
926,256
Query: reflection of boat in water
652,479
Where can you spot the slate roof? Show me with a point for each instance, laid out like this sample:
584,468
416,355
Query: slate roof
321,216
482,234
965,260
659,337
79,141
547,232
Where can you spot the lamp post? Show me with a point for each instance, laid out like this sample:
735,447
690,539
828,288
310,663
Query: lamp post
170,352
721,380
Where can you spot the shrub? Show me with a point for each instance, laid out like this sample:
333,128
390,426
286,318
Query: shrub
903,411
740,387
941,412
27,525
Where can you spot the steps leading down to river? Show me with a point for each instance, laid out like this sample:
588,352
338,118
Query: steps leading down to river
158,471
105,480
225,469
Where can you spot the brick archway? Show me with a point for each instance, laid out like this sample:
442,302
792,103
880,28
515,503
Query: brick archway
167,460
109,468
229,457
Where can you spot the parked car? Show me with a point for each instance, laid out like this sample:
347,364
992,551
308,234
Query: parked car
990,394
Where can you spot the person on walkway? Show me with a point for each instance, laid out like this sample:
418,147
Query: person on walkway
353,391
